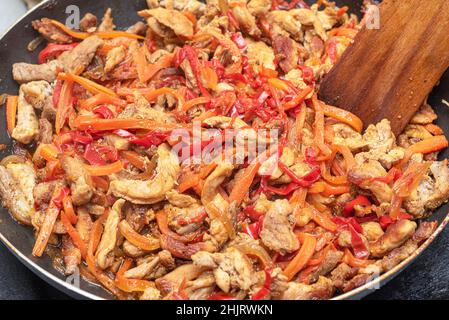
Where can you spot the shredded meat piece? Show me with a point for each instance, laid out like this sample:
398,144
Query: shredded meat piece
71,255
51,32
322,289
286,52
88,22
105,251
172,19
16,190
431,193
107,23
395,235
114,57
80,57
154,190
79,178
27,127
259,54
25,72
232,269
277,232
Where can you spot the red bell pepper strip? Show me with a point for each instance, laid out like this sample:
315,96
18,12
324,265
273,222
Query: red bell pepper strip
351,224
57,93
348,209
153,138
386,221
239,40
81,137
305,181
265,290
103,112
60,197
99,155
221,296
251,213
393,175
53,50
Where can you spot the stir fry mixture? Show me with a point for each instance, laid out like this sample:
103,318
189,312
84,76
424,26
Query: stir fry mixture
94,170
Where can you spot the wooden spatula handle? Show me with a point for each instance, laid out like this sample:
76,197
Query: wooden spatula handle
388,73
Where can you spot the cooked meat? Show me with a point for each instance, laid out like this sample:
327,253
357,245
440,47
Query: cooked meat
138,28
277,232
425,115
107,23
173,280
80,57
16,191
151,191
25,72
395,236
245,20
180,200
171,19
322,289
153,267
79,178
362,174
259,7
341,274
71,255
372,231
141,109
288,22
83,224
88,22
431,193
105,251
45,131
43,191
379,137
259,54
330,262
27,126
115,56
232,269
286,51
346,136
51,32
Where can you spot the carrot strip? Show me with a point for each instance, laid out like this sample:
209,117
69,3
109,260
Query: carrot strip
302,258
145,70
68,209
103,35
87,84
65,105
196,101
86,122
48,152
278,84
210,77
102,98
105,170
299,98
45,231
243,183
11,112
74,235
101,183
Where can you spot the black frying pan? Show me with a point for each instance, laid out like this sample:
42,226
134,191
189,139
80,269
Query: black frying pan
20,239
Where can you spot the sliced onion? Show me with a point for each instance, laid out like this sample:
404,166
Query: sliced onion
11,159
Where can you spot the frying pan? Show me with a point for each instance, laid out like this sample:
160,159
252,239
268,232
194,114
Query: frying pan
20,239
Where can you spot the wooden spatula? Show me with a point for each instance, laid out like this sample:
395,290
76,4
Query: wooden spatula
388,72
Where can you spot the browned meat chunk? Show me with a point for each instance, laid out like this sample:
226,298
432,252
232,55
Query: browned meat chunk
88,22
329,263
425,115
84,224
232,269
322,289
138,28
79,178
27,126
286,51
45,131
107,23
105,253
395,236
171,19
341,274
71,255
43,191
25,72
277,232
114,58
246,21
431,193
51,32
80,57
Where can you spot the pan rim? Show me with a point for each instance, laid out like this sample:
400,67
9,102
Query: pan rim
58,283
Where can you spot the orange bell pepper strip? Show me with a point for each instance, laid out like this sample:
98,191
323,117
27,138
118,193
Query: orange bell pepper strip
101,183
152,94
349,160
145,70
130,285
343,116
11,112
134,158
278,84
434,129
103,35
49,152
323,219
45,231
299,98
193,102
210,77
74,235
102,98
68,209
354,262
243,183
330,190
302,258
429,145
105,170
87,84
137,239
318,128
